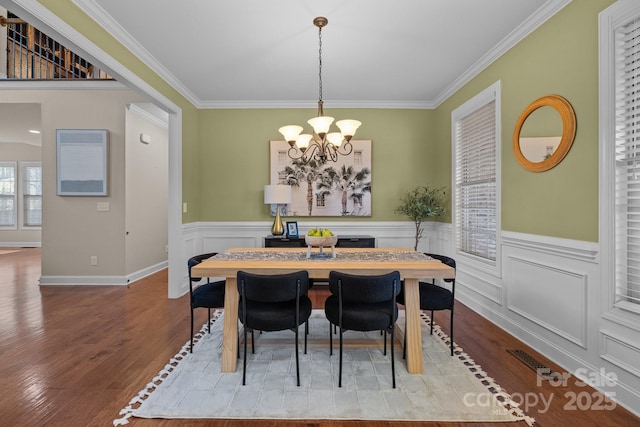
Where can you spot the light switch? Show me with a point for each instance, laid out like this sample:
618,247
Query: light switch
103,207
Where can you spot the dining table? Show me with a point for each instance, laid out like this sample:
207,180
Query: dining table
411,265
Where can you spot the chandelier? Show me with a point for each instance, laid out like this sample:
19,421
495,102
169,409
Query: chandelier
322,145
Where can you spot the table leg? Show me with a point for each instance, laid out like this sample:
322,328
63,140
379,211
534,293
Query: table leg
230,332
413,332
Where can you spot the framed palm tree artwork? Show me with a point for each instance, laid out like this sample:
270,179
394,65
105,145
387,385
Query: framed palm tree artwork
324,188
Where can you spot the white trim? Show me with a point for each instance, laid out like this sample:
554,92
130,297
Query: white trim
576,249
83,280
144,114
490,94
102,280
61,85
20,244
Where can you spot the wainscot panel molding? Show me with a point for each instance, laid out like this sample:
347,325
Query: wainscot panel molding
620,352
477,285
575,249
539,292
621,376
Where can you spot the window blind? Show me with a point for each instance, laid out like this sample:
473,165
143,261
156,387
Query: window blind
7,195
476,202
627,157
32,195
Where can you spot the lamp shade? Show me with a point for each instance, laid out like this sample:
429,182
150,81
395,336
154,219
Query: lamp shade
277,194
290,132
335,138
320,124
302,141
348,127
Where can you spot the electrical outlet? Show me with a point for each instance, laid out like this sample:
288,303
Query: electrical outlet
184,207
94,260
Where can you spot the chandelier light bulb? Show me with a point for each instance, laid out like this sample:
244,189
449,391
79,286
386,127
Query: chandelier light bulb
321,124
348,128
335,138
290,132
302,141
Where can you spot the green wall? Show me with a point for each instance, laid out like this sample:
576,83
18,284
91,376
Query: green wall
225,154
234,157
560,57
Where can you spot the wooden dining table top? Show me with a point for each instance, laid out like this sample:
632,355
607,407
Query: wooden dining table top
356,260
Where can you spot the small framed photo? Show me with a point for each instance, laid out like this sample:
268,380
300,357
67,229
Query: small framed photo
292,229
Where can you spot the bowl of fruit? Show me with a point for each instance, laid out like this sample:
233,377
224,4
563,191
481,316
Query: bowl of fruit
320,237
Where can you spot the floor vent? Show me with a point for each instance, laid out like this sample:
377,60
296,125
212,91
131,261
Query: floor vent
543,371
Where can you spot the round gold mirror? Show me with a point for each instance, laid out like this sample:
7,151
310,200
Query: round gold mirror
544,133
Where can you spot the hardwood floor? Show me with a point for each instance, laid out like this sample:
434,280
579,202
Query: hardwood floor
75,356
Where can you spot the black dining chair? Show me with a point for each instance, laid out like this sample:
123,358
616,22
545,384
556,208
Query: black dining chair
435,297
204,295
274,302
363,303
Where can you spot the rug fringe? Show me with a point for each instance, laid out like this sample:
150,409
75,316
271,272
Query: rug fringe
127,411
506,401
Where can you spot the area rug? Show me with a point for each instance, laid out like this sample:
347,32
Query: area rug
452,388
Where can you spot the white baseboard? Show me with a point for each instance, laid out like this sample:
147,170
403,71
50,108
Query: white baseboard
20,244
101,280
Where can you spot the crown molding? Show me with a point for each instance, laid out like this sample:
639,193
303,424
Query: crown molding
544,13
111,26
541,16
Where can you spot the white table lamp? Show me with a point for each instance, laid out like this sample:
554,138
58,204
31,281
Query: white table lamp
277,195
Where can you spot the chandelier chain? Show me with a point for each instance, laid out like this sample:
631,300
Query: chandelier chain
320,63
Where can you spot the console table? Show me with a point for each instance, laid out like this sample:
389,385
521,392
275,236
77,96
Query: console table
344,241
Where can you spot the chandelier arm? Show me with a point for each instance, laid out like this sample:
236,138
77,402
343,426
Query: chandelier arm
342,149
314,150
292,154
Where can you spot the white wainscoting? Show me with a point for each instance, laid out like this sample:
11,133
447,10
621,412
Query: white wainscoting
548,295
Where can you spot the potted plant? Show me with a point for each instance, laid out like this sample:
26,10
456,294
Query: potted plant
420,204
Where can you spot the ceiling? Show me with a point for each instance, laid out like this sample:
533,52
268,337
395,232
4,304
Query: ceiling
375,53
264,54
16,120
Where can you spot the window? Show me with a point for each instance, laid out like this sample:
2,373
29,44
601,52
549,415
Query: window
620,152
476,144
31,192
8,194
